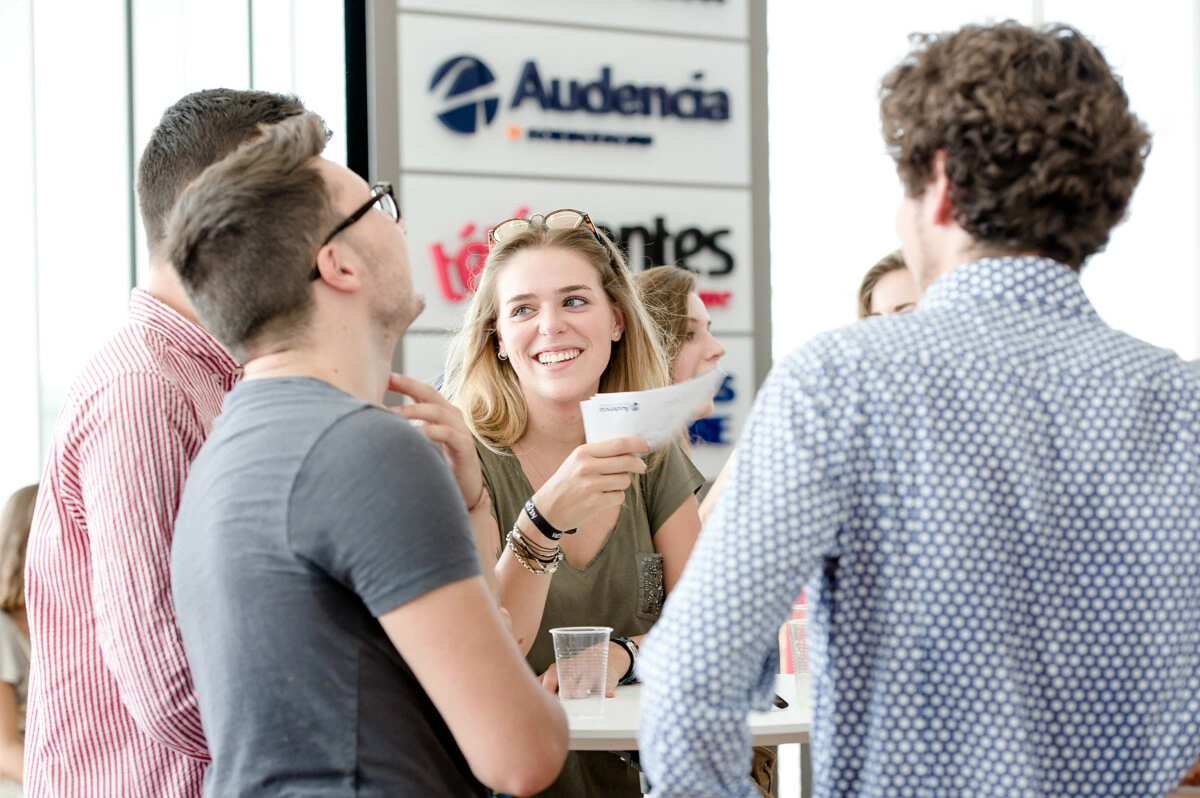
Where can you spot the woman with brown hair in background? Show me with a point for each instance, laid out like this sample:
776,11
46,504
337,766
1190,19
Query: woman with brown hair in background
15,522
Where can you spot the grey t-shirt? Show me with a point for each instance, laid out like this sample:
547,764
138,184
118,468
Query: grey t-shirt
307,514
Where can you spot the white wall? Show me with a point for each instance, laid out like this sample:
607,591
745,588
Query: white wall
73,129
85,82
834,191
1147,282
19,460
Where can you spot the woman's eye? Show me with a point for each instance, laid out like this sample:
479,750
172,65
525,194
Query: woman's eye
573,302
689,337
520,311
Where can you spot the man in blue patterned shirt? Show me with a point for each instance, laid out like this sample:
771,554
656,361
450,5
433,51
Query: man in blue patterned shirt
995,499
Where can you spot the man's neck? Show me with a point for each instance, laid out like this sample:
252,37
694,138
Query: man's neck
949,250
927,276
163,284
361,371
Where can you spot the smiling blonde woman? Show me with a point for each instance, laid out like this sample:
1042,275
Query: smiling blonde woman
586,533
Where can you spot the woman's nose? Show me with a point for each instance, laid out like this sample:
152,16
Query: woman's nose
717,351
551,321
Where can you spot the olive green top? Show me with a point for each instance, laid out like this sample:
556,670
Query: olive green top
621,587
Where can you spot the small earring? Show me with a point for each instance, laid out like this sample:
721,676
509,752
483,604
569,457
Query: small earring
616,335
500,353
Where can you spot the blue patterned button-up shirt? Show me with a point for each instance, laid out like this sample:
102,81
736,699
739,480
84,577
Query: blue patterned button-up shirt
995,500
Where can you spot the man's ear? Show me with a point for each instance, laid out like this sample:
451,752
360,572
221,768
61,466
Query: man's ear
337,271
938,203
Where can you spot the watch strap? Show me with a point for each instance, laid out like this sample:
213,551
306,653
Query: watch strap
631,648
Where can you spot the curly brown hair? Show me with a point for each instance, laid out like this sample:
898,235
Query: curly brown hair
1042,151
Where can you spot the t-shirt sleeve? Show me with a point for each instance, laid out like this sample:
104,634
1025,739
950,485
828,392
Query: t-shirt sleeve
669,484
484,466
375,507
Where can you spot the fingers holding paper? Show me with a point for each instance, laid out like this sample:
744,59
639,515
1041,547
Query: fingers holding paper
593,478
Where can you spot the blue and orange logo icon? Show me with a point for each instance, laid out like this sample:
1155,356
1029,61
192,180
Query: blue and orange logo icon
459,82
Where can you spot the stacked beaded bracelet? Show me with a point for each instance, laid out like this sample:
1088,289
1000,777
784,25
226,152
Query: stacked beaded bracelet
535,558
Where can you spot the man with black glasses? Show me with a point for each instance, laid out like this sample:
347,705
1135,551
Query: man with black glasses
342,636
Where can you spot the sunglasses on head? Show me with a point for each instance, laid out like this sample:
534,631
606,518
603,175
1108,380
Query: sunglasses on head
562,219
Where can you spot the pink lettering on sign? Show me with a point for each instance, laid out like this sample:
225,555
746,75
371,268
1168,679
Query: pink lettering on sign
716,299
456,274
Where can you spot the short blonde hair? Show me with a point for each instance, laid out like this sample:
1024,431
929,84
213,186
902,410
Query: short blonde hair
15,523
487,390
665,291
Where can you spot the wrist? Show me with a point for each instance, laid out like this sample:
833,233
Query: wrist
618,659
535,558
548,530
630,647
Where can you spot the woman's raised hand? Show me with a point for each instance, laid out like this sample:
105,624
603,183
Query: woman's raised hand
443,424
593,478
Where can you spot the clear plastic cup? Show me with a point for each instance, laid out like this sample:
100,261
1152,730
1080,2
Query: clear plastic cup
798,637
581,653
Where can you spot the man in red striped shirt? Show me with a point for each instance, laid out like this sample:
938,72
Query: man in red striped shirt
112,711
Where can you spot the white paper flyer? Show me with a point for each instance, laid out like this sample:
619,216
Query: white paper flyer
657,415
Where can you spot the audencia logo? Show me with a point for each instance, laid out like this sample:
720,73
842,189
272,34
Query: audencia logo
459,80
465,74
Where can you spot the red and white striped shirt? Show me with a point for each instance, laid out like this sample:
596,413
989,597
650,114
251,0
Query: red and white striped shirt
112,711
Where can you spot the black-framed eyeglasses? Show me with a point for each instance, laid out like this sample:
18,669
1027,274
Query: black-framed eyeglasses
562,219
381,193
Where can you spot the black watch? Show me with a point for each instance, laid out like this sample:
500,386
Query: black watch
631,648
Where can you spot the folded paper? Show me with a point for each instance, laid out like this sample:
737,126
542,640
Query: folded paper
657,415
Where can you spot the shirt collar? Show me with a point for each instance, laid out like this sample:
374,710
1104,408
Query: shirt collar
147,310
1024,281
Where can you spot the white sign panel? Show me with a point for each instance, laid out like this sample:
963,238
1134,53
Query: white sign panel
425,356
713,437
510,98
702,229
722,18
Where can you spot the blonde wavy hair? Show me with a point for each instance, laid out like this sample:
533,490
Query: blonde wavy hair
486,389
891,262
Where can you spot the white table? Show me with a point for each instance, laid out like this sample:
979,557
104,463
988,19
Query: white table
616,729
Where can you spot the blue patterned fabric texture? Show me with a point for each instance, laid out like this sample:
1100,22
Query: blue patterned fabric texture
995,501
